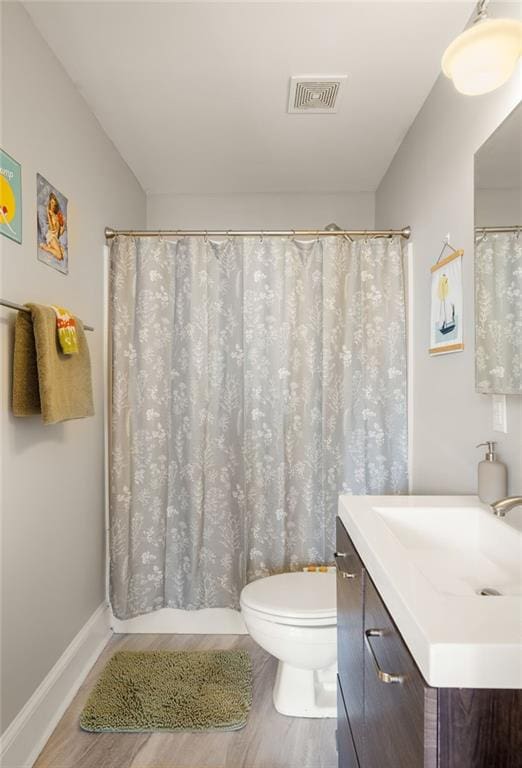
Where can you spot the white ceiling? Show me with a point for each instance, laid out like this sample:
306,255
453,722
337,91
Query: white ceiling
194,95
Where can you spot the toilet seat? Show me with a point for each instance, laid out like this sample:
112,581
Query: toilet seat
295,599
290,621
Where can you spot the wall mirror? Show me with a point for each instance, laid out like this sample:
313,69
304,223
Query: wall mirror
498,260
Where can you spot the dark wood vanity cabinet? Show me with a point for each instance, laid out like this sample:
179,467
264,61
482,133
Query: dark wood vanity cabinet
388,716
393,711
350,666
345,744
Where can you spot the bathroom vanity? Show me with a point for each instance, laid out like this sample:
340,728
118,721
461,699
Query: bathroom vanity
429,670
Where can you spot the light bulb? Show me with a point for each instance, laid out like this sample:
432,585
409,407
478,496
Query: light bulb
483,57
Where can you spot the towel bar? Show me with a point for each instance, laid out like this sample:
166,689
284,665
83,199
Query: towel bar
20,308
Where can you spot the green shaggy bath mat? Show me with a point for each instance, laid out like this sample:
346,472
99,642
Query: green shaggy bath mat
171,691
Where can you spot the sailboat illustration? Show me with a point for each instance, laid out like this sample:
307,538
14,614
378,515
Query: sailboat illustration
448,323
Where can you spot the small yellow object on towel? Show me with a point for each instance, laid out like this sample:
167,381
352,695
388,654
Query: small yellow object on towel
66,327
318,568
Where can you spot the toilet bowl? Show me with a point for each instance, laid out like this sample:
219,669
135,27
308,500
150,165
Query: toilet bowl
293,616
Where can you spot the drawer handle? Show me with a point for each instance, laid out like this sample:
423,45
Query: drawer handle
384,677
344,574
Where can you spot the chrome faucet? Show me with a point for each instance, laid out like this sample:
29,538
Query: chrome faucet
501,507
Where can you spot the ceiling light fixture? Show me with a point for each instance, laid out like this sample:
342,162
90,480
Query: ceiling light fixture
484,56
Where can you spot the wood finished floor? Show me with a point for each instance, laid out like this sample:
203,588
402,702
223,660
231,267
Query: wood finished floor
269,739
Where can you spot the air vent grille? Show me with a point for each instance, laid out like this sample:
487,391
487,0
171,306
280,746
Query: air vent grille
317,95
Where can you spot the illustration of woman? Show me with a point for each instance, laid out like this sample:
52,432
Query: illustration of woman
55,228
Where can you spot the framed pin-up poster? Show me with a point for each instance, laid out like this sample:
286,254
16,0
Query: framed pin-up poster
51,207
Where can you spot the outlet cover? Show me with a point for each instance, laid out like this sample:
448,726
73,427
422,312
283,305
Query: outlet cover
499,413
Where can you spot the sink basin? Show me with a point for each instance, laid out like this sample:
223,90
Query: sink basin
461,550
450,574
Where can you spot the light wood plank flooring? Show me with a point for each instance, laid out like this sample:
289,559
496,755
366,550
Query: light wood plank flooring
269,739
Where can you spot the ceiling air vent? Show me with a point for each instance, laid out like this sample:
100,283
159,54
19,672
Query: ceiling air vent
315,95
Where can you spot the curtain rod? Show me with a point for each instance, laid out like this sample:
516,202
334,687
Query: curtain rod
21,308
111,233
510,228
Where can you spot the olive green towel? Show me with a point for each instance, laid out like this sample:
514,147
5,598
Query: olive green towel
44,379
171,691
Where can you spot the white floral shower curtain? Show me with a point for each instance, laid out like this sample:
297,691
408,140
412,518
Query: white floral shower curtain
498,312
253,380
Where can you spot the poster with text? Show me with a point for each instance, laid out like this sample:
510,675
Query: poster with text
10,197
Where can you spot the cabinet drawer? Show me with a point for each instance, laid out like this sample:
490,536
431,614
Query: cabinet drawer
344,542
350,656
345,745
394,692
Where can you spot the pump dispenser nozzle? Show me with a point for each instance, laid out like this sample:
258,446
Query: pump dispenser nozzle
490,453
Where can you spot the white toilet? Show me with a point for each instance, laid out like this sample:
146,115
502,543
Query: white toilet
293,616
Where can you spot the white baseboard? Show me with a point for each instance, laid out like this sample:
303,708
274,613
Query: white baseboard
24,739
208,621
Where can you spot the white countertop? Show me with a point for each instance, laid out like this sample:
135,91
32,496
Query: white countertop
457,637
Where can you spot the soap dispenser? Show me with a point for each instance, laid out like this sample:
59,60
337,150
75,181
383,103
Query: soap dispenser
492,476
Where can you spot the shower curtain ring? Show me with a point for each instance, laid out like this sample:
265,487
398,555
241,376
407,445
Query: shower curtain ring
261,236
205,238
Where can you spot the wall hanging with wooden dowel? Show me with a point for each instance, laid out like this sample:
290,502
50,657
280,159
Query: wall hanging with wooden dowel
446,324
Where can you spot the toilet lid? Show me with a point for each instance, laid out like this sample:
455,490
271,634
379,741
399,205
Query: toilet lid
294,595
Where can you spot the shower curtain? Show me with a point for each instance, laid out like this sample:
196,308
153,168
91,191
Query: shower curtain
254,379
498,310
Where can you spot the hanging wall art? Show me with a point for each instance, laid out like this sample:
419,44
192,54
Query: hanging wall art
10,197
51,214
446,304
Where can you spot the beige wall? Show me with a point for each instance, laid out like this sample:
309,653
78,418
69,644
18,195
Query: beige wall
52,492
498,207
353,210
429,185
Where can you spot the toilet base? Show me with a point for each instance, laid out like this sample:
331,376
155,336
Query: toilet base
305,692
